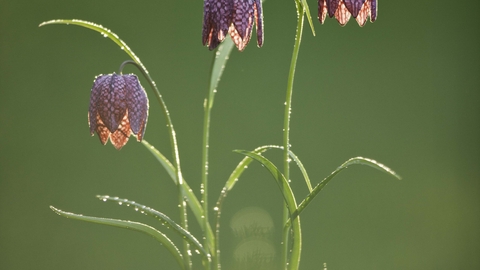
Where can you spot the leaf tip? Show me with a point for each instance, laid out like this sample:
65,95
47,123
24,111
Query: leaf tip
57,211
48,22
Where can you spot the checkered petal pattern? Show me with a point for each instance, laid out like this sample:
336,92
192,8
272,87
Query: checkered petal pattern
344,9
231,17
118,108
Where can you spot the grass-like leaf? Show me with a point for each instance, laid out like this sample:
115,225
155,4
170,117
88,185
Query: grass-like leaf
277,175
191,199
291,204
324,182
164,219
219,62
306,9
302,169
243,165
237,172
131,225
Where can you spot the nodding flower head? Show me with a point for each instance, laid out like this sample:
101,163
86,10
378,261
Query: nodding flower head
234,17
118,108
344,9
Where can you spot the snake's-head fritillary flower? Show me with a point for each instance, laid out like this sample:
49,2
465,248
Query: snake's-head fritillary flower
118,108
344,9
233,17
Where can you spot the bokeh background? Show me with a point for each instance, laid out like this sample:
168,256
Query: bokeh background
403,91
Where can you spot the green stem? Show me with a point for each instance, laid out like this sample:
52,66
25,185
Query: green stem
176,157
208,104
294,261
204,185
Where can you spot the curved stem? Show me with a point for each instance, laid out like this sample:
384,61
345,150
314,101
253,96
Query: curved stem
296,238
175,153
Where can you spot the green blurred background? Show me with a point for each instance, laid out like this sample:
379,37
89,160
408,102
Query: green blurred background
403,91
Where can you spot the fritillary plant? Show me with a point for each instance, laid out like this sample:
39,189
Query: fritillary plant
119,108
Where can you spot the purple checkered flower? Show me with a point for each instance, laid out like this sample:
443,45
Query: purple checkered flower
344,9
234,17
118,108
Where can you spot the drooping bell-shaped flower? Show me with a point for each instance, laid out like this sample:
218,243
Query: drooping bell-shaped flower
118,108
344,9
234,18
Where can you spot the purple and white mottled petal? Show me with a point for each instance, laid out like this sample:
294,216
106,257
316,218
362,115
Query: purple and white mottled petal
225,16
322,10
94,97
342,14
112,104
120,137
363,14
373,10
137,105
217,16
332,6
258,21
354,6
242,21
102,130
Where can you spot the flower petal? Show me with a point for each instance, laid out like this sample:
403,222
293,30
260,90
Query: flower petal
332,6
242,22
102,130
363,14
112,104
257,6
94,97
217,15
120,137
373,10
354,6
342,14
322,10
137,105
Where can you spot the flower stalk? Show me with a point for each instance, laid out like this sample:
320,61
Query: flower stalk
294,261
176,158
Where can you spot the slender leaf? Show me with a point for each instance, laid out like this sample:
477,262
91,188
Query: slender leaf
237,172
324,182
167,221
282,182
232,180
302,169
291,204
192,200
221,56
131,225
306,10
